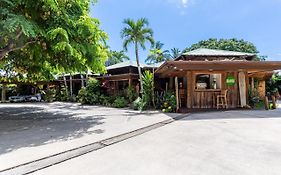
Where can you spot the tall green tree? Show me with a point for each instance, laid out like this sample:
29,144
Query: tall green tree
157,54
116,57
174,53
49,35
226,44
137,33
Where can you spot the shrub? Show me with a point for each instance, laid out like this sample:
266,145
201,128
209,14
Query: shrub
61,95
139,104
148,88
120,102
50,95
91,93
93,85
166,101
170,102
131,93
253,97
105,100
82,95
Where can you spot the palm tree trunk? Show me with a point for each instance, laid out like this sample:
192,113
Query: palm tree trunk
153,94
65,85
71,86
139,68
82,80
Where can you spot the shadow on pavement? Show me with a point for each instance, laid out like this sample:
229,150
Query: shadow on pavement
34,126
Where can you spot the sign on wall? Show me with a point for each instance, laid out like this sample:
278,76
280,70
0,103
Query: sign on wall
230,80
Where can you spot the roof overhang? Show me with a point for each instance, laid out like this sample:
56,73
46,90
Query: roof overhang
172,67
120,77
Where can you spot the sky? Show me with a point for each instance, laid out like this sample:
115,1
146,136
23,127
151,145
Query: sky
181,23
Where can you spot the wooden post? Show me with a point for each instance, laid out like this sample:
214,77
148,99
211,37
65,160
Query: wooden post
130,82
247,87
261,89
171,83
252,83
167,86
177,92
189,89
65,85
82,80
266,105
242,88
70,86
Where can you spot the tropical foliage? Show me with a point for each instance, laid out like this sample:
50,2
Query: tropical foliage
144,102
174,53
226,44
273,85
93,94
116,57
157,54
120,102
148,87
131,93
166,101
37,38
137,33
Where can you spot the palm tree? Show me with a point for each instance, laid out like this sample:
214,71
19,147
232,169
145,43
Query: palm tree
175,52
137,33
116,57
157,54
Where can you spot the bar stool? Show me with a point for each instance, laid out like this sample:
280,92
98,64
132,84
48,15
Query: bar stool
222,99
182,96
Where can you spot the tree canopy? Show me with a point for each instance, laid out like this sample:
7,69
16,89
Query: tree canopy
47,35
175,52
157,54
226,44
116,57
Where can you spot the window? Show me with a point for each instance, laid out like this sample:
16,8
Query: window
208,81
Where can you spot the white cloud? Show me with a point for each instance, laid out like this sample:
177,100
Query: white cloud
184,3
180,3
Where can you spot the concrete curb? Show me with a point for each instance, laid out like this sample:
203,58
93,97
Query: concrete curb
39,164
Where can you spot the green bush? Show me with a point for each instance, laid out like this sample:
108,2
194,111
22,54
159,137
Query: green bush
50,95
120,102
253,97
82,95
139,104
61,95
105,100
170,102
91,93
166,101
131,94
148,88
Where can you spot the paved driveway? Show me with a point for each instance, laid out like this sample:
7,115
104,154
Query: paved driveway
217,143
32,131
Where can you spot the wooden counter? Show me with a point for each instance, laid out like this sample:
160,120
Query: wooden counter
205,98
207,90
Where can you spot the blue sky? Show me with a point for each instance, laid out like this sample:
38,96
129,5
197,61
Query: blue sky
180,23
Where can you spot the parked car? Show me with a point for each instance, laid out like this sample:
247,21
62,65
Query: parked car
26,98
17,98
